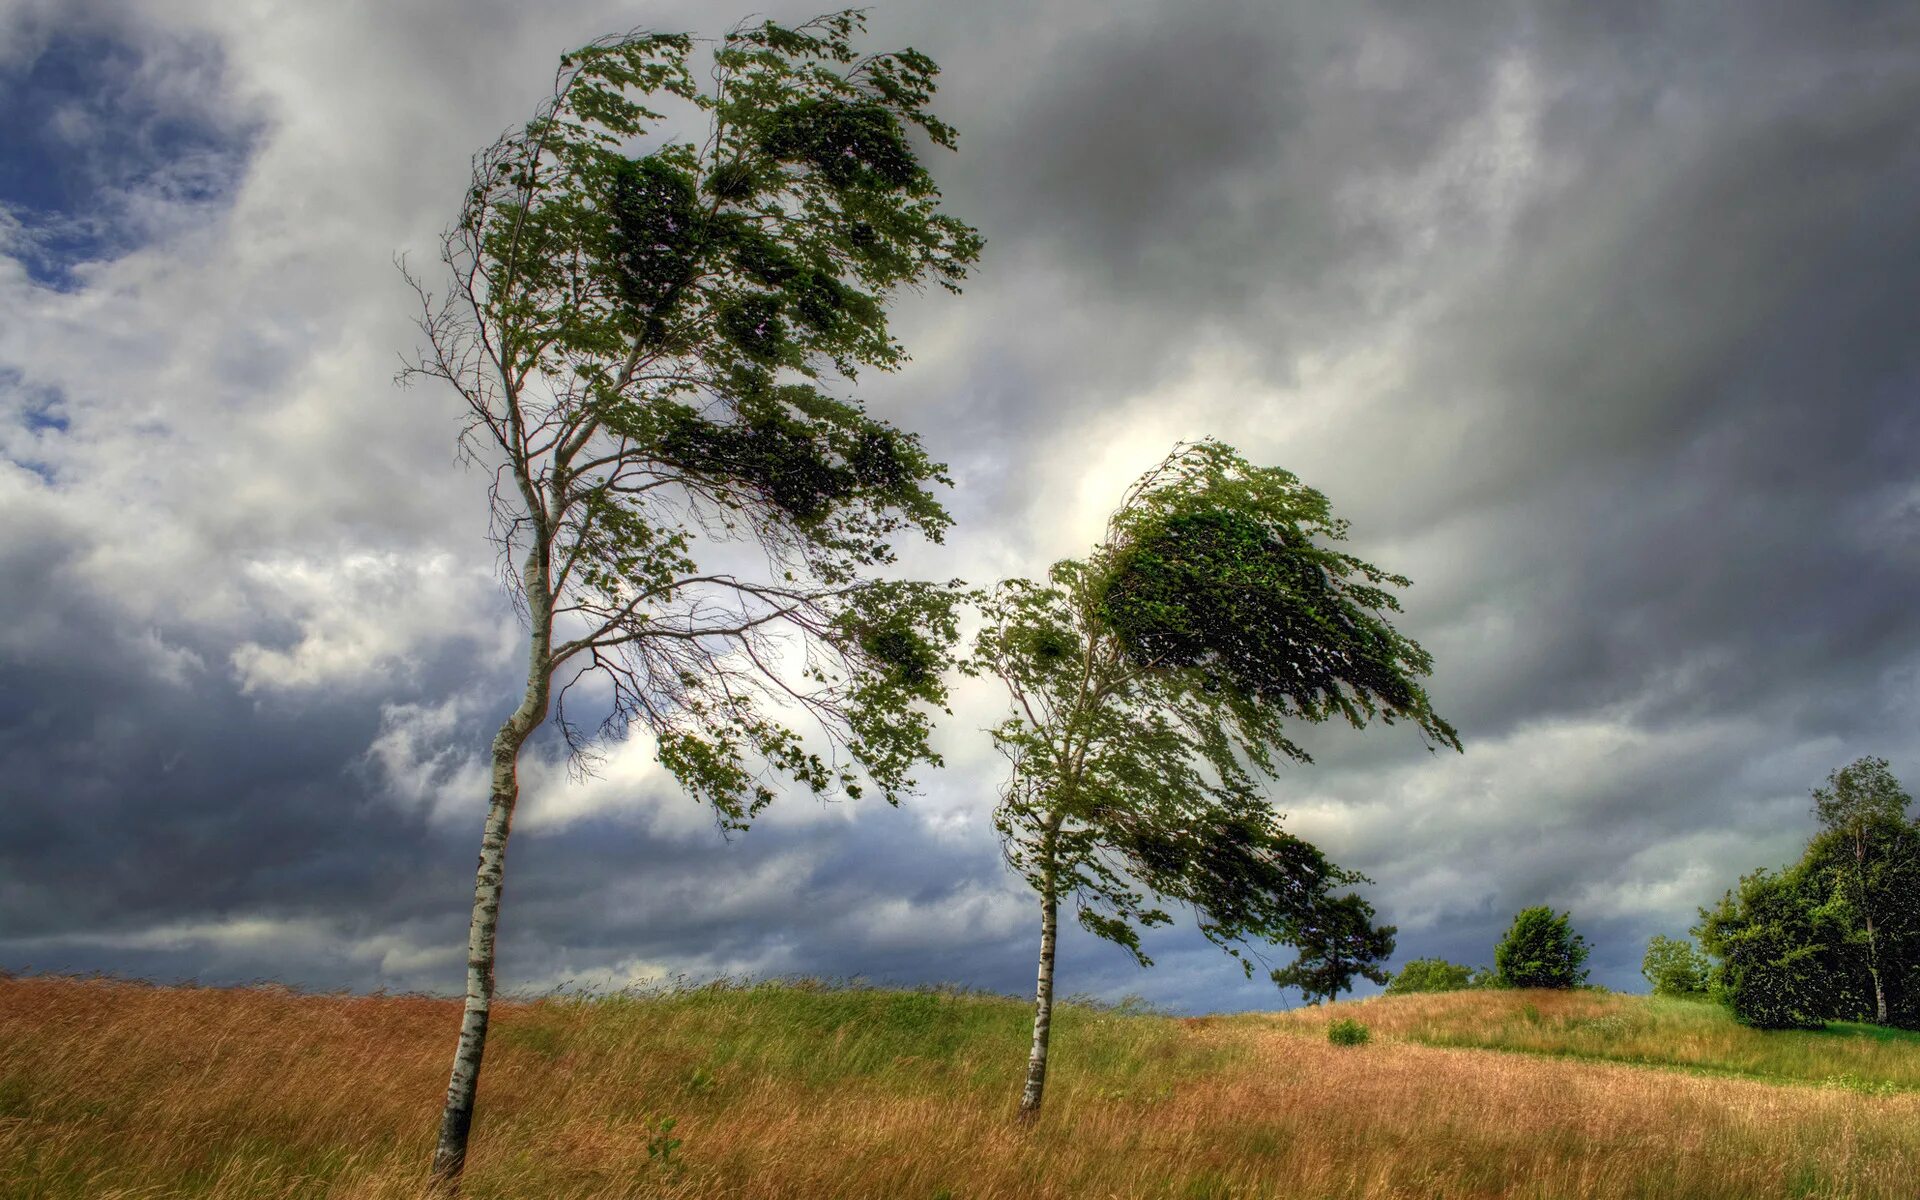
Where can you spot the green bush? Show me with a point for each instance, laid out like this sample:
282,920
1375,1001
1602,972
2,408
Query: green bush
1781,951
1347,1032
1541,950
1434,975
1674,967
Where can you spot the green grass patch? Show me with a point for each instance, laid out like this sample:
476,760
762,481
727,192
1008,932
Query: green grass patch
1693,1035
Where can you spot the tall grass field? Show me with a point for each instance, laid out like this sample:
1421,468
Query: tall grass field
115,1090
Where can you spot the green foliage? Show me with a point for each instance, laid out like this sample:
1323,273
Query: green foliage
644,326
1347,1032
1144,712
1434,975
1780,950
1835,936
1338,944
1674,967
1868,854
1862,794
1540,950
661,1143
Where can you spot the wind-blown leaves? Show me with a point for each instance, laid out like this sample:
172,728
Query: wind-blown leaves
647,330
1152,685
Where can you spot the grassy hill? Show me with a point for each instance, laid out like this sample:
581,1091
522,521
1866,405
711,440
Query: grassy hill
117,1090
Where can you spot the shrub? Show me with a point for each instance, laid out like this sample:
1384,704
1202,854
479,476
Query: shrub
1674,967
1780,950
1541,950
1432,975
1347,1032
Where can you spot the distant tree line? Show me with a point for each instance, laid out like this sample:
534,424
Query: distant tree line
1834,936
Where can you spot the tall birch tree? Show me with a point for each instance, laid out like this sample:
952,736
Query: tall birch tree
1862,811
1152,685
648,334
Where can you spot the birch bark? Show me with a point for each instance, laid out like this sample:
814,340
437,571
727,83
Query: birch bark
456,1120
1042,1004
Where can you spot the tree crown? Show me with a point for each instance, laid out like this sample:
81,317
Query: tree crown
1674,967
1540,949
1151,686
645,330
1862,793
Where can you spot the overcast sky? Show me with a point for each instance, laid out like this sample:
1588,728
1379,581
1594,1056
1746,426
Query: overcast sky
1602,322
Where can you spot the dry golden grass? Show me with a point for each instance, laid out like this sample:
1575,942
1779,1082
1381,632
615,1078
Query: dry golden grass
118,1091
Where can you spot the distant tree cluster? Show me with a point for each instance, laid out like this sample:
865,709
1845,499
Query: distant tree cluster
1539,950
1836,935
1436,975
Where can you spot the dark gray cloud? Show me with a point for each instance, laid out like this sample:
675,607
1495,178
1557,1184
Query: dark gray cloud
1597,321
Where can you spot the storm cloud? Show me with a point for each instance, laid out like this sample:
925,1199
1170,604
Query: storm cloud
1598,322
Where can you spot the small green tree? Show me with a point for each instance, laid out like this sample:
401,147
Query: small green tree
1151,686
642,330
1674,967
1431,975
1338,944
1541,950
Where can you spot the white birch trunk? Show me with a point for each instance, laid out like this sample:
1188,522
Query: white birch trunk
1042,1005
1873,942
456,1120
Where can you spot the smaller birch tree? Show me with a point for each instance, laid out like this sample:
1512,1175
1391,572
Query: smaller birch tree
1151,687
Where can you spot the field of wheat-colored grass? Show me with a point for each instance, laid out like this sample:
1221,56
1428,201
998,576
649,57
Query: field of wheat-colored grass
113,1090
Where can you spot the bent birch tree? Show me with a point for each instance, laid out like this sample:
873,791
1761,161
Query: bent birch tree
1151,685
643,330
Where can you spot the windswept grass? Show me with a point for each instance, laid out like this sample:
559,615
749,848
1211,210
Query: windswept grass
118,1091
1646,1030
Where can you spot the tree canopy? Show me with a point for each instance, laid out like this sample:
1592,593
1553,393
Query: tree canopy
647,332
1540,950
1336,945
1674,967
1781,949
1153,684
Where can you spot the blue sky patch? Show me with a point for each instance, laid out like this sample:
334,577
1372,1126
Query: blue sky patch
96,122
36,413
